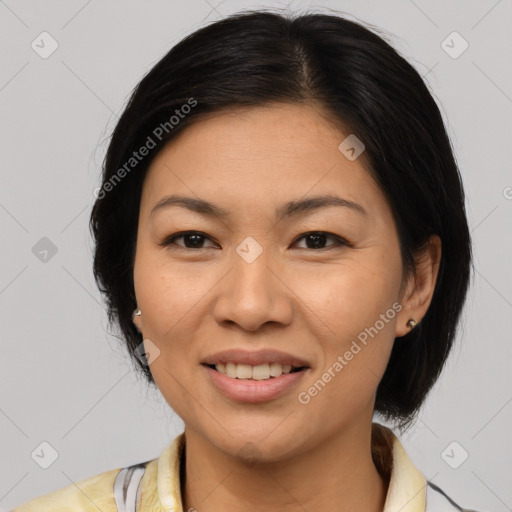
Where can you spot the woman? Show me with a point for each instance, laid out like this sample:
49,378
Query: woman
281,236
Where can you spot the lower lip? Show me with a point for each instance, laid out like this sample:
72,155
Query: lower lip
254,391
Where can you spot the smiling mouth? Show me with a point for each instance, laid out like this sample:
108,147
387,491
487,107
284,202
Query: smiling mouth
259,372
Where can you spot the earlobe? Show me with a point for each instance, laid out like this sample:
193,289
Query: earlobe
136,319
411,323
420,290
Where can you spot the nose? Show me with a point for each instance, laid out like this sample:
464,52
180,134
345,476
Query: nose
253,294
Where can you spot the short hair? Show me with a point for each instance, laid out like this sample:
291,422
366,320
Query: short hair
257,58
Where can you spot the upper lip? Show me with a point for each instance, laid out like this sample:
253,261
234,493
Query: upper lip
254,358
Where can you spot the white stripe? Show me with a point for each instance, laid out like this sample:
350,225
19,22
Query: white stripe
131,493
119,490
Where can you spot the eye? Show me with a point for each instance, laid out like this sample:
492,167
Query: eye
316,239
192,240
195,240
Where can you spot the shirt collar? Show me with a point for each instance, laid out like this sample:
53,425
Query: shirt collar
406,490
168,475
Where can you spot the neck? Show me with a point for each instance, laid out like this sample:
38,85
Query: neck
338,475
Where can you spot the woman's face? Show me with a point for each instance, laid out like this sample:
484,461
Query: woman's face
255,279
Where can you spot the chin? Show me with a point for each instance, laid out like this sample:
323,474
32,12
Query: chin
253,447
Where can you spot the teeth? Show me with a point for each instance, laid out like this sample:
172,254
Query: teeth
230,370
276,369
259,372
243,371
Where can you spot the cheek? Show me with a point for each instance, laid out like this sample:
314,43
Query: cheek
177,387
170,302
351,296
358,302
167,291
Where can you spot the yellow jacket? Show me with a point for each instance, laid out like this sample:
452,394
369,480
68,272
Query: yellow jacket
155,485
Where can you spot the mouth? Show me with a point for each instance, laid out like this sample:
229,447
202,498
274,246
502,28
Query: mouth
255,384
255,376
266,371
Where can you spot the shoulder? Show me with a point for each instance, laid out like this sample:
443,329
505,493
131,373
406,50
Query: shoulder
408,488
150,485
91,494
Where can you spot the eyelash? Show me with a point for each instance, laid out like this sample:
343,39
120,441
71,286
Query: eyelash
339,242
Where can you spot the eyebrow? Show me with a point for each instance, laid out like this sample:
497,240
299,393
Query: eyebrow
289,209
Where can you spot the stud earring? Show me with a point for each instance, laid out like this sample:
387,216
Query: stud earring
411,323
137,312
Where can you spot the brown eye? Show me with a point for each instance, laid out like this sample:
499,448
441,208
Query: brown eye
191,240
317,239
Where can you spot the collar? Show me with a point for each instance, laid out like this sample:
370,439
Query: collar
406,489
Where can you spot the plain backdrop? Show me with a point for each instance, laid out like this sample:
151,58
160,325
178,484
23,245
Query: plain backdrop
68,382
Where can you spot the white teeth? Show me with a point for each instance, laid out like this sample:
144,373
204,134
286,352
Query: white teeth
259,372
276,369
230,370
243,371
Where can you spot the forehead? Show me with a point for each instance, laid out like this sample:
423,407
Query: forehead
260,155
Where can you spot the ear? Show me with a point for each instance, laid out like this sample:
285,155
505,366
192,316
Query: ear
418,292
137,321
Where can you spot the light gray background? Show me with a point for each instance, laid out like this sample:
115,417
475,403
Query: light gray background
67,381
